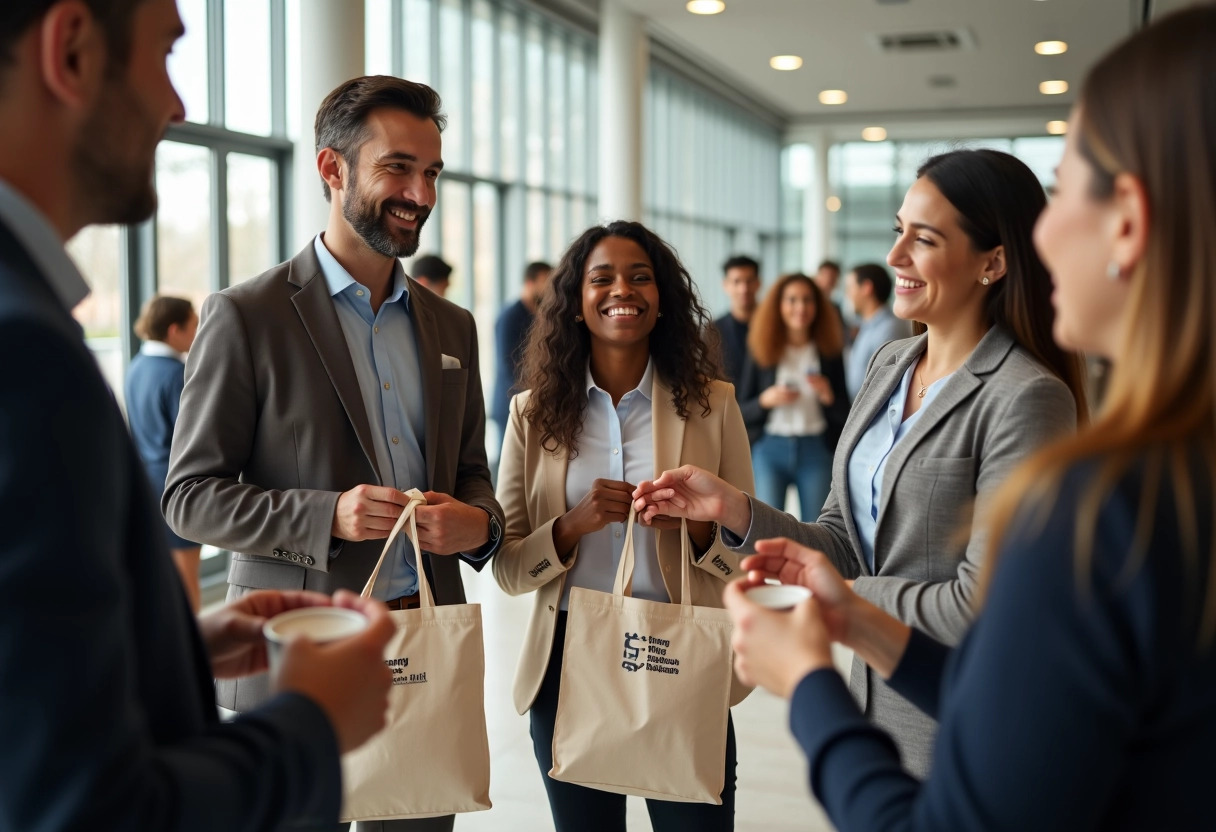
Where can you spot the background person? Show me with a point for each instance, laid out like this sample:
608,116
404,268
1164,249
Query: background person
793,394
867,289
510,333
620,384
153,390
1085,695
939,423
433,272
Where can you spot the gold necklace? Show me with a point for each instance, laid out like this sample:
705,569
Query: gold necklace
923,387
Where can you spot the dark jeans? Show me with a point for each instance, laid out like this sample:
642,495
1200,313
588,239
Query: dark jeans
782,461
580,809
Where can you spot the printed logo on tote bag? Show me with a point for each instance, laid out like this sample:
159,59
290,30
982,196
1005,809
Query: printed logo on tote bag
656,658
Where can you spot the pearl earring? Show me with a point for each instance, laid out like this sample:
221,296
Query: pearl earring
660,314
1113,272
578,318
984,281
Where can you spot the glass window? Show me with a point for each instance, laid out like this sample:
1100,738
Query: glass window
486,291
577,119
559,228
183,220
247,66
537,241
509,98
556,118
417,41
96,251
534,119
377,37
188,61
482,78
452,57
252,229
454,205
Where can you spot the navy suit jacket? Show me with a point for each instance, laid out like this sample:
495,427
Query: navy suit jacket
107,712
154,389
510,332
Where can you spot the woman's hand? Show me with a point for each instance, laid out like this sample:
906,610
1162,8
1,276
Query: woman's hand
822,387
778,395
607,502
695,494
775,650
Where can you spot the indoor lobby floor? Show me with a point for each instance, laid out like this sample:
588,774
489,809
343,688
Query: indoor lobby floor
773,795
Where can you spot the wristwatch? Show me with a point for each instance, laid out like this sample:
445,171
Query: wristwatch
495,527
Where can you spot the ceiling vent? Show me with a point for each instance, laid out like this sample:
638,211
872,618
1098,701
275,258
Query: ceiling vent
918,43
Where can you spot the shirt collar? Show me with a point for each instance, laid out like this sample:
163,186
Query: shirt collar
159,349
644,385
43,245
338,279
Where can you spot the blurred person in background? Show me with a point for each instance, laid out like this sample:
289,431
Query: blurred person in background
433,272
510,332
867,289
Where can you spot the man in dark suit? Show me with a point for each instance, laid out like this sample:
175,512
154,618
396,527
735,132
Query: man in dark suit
107,711
321,390
510,331
741,280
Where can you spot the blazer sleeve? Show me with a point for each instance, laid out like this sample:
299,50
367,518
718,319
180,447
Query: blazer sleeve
78,750
474,486
527,558
829,535
204,498
735,466
1034,414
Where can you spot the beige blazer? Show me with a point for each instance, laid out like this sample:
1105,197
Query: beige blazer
273,428
532,491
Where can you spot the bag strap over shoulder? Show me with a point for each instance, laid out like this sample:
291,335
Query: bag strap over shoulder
425,597
623,585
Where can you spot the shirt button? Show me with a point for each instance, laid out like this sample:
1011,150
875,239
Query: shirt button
386,385
618,534
396,441
376,330
616,450
359,292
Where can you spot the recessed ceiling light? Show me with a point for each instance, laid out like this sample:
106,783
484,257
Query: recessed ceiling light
785,62
705,6
1057,128
832,203
1053,87
1051,47
833,97
874,134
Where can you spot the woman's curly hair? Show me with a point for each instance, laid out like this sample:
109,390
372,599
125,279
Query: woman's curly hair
683,346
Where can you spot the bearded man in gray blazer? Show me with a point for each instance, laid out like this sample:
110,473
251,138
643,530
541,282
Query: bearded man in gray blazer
318,392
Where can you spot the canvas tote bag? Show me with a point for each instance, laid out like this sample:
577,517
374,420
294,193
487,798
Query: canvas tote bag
432,758
645,691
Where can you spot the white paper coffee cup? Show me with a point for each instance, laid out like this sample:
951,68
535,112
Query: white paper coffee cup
320,624
778,597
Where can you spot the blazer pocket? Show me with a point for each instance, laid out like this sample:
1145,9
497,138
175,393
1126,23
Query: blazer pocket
958,466
455,375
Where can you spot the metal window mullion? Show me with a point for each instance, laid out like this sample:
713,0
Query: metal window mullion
436,8
219,219
215,62
137,262
396,22
284,192
278,68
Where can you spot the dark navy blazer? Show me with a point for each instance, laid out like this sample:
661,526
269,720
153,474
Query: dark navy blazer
107,712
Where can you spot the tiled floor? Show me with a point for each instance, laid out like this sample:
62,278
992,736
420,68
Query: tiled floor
772,788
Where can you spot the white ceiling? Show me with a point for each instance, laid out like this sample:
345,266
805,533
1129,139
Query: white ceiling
996,81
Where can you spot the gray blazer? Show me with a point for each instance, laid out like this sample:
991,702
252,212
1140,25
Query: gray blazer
998,408
272,428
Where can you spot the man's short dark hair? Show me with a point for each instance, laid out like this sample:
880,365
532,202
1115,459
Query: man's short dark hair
342,119
878,277
741,261
432,267
535,270
113,16
829,264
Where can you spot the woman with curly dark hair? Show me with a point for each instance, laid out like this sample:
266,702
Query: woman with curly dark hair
620,384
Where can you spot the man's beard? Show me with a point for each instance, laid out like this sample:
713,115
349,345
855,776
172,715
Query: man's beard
373,227
116,186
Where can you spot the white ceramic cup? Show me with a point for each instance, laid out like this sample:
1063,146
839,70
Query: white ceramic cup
778,597
320,624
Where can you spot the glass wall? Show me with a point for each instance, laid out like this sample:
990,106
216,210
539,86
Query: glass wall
712,180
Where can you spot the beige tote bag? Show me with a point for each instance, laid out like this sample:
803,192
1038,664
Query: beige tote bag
645,691
432,758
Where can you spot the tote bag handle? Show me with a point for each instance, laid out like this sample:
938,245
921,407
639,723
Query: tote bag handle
623,585
425,598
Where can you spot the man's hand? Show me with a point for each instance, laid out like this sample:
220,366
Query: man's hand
447,526
775,649
348,678
367,512
233,633
696,494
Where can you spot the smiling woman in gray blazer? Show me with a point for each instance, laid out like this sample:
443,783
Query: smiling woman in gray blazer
940,421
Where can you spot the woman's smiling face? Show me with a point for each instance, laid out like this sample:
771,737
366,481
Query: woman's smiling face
620,295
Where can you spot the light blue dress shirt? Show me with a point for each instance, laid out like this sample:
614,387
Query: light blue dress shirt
868,462
872,333
384,352
616,443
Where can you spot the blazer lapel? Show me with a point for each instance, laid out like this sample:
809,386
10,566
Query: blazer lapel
426,332
316,310
871,400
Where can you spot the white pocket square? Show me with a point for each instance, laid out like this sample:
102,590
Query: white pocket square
449,362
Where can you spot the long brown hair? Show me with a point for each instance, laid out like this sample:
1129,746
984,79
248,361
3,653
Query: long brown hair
998,199
554,363
767,338
1148,109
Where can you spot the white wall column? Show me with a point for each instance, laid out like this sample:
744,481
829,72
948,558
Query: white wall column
816,240
331,39
624,56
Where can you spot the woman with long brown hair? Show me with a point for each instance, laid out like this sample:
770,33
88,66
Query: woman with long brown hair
620,383
792,389
939,422
1085,695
